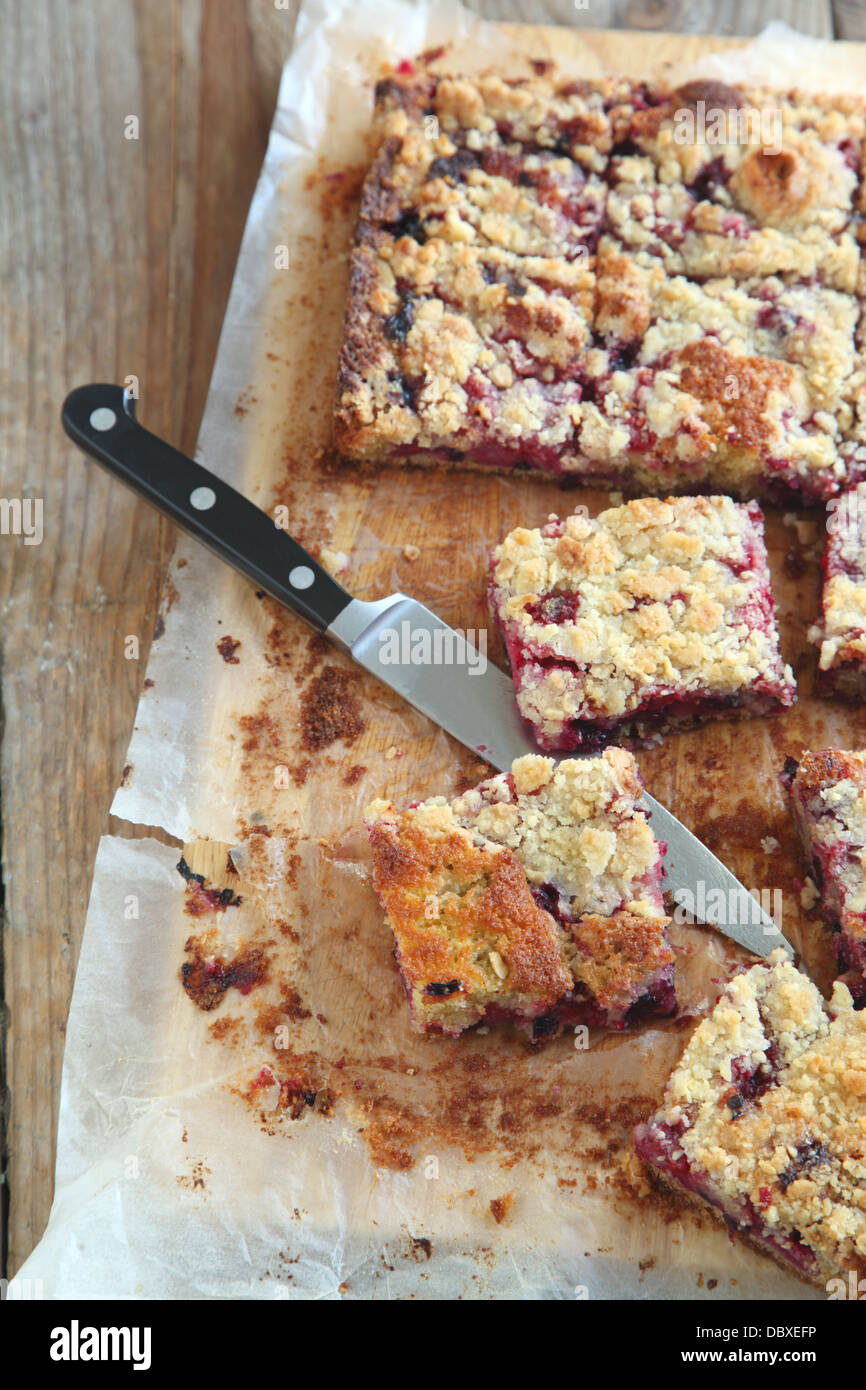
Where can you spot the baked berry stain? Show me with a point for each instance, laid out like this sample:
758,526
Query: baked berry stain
200,898
206,981
227,646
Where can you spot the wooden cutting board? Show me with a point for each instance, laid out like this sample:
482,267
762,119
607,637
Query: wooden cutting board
722,780
428,533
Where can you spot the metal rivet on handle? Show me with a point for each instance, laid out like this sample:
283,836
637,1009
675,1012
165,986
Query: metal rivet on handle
301,577
202,498
103,418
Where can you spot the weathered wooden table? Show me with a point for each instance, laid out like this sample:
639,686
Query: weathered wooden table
131,137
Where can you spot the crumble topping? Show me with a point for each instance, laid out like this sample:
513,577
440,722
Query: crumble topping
654,599
841,632
547,274
538,887
829,799
768,1109
575,824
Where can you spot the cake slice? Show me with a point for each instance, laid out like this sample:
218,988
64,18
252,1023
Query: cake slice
471,283
535,896
841,631
655,615
828,800
764,1118
718,384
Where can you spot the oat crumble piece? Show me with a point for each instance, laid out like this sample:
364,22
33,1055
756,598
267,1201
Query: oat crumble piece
827,791
840,632
653,615
534,896
764,1120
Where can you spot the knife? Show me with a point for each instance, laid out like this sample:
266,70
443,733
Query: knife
465,695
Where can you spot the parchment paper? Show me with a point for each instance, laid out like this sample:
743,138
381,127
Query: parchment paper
298,1139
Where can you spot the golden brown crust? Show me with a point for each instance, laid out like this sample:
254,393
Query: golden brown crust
718,95
825,767
613,955
456,881
707,371
463,913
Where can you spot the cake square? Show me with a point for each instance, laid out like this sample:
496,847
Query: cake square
722,181
827,790
535,896
471,289
743,386
595,280
763,1120
654,615
841,631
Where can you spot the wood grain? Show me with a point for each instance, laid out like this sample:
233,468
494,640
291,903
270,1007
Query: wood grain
116,257
734,17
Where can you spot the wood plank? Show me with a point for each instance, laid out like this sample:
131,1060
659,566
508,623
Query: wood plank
735,17
849,19
117,257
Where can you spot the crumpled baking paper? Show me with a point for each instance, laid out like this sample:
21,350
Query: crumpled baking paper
170,1182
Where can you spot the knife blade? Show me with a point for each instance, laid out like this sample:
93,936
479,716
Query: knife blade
435,668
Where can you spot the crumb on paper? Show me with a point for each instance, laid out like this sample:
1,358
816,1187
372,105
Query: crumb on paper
330,710
334,561
809,894
769,844
501,1206
411,552
393,752
244,401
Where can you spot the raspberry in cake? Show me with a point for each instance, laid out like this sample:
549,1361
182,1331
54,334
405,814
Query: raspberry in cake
828,800
763,1120
841,631
656,614
535,896
567,278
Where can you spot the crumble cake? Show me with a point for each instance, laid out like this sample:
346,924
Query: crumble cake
547,276
535,896
827,790
764,1119
841,631
654,614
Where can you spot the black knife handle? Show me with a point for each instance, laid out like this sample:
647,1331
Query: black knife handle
99,419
